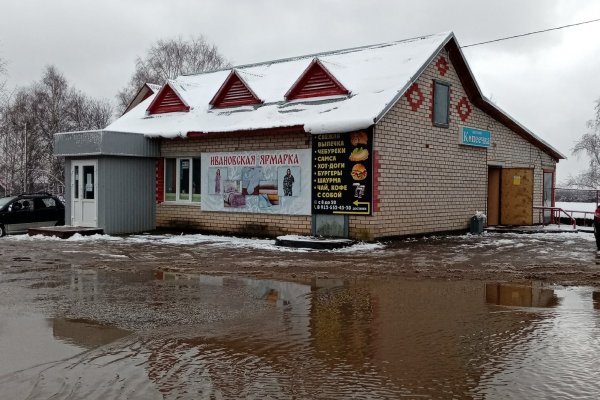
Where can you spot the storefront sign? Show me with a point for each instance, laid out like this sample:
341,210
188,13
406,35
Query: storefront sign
342,173
272,182
474,137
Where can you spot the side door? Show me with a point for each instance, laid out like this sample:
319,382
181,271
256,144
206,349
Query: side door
84,193
46,211
20,216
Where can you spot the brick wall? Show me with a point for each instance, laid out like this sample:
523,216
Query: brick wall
427,181
171,215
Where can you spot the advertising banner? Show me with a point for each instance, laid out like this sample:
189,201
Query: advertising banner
343,173
272,182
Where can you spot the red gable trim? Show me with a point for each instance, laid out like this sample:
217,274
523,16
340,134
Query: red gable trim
142,94
476,97
315,81
166,101
234,92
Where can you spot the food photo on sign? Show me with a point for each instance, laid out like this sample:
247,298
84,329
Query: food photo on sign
359,171
341,174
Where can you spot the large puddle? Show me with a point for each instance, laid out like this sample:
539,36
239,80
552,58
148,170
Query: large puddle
169,335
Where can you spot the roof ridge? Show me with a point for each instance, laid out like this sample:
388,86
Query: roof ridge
321,54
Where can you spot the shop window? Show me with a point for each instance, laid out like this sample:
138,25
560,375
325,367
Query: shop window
170,179
182,179
441,104
196,180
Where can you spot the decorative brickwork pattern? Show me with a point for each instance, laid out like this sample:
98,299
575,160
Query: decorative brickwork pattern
427,181
424,180
415,97
464,109
442,65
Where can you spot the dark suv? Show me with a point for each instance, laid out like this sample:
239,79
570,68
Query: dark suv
30,210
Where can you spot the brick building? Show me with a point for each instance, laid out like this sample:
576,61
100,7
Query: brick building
378,141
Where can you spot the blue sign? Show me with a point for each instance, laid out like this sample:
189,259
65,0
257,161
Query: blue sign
475,137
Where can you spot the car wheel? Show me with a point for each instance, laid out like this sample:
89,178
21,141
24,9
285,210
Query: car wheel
2,230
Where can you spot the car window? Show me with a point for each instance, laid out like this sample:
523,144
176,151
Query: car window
49,202
24,205
5,200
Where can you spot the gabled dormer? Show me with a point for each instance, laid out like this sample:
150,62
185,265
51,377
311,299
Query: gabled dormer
316,81
145,91
167,101
234,92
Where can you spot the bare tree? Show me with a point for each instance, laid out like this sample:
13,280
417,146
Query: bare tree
589,144
2,72
167,59
28,121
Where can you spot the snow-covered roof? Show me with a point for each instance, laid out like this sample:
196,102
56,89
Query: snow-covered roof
147,90
376,76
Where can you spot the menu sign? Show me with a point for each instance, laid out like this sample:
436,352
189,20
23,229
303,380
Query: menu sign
342,173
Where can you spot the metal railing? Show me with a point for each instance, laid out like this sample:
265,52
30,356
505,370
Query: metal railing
585,216
555,214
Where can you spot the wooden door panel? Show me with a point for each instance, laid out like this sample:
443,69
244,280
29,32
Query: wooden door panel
517,196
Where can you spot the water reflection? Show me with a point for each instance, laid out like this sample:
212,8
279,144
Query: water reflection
533,295
596,299
280,293
84,333
327,338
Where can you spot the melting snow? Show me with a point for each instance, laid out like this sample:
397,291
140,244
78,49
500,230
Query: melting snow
505,240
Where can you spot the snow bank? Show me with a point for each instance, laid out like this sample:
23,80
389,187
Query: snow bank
572,209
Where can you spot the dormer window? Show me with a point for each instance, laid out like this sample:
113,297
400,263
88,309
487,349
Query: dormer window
167,101
234,92
316,81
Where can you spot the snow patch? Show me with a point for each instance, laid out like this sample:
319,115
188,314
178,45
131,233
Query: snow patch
577,210
75,238
237,242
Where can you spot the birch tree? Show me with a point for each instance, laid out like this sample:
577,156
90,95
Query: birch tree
589,145
167,59
29,119
2,78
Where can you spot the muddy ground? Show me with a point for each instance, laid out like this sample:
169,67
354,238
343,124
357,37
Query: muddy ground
207,317
565,259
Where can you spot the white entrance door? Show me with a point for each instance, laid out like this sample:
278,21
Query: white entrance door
84,193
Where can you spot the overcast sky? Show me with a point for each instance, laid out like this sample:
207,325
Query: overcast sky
548,82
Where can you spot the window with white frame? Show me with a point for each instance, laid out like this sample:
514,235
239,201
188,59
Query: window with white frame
182,179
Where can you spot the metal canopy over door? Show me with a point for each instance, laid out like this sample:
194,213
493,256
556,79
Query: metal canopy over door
517,196
84,189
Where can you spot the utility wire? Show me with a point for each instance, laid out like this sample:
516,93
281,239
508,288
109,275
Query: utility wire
530,33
